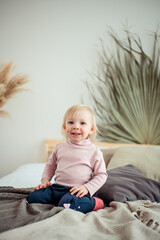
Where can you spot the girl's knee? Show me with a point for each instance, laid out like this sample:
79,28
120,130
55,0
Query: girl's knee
33,197
43,195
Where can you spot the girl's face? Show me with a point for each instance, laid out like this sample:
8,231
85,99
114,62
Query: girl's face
79,126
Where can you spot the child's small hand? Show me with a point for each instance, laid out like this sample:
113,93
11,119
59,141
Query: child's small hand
80,190
43,185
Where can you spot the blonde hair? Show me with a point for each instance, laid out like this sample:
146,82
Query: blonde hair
72,110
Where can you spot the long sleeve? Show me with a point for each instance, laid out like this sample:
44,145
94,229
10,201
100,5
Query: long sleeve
50,166
99,175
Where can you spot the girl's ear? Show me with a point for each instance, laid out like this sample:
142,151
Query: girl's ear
92,130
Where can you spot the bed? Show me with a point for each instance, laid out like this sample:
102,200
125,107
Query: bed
131,195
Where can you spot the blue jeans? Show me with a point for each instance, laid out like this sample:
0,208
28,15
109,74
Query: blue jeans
60,196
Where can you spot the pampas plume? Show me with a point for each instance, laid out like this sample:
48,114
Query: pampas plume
10,85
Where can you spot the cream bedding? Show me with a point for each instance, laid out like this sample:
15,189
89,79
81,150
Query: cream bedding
144,158
25,176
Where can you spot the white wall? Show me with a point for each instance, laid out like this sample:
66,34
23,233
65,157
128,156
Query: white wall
54,42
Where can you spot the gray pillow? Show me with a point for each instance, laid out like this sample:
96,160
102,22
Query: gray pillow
126,183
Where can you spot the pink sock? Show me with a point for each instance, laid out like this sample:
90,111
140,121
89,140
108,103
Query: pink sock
99,204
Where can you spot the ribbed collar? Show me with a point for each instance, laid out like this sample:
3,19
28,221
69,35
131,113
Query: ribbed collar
86,142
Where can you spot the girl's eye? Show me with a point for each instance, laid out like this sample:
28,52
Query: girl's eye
83,123
70,122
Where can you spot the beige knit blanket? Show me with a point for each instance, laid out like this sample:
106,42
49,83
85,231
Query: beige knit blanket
139,220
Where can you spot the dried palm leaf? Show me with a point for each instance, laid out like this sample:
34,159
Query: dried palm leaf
126,91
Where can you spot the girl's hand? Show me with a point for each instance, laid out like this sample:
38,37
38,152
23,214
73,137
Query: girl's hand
45,183
80,190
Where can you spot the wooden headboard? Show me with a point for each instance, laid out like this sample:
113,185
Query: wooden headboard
50,144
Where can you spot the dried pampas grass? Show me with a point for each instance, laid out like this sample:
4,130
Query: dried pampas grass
9,85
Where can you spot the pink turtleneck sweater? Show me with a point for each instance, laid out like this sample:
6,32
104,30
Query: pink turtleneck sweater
75,164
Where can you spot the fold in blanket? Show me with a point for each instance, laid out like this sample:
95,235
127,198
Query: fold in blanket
15,212
145,214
